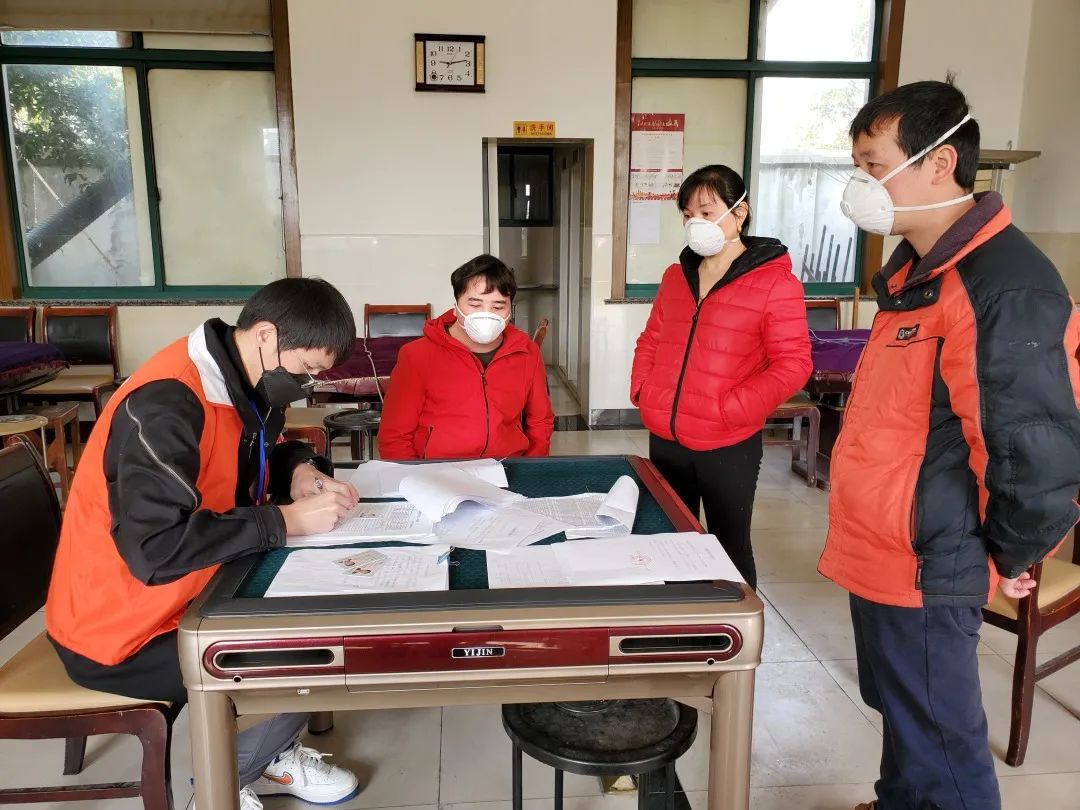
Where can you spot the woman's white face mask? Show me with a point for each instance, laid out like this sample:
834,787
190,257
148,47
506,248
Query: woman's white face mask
867,203
706,237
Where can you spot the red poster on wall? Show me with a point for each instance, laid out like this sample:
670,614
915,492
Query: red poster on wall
656,155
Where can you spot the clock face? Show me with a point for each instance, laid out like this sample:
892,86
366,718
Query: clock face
450,64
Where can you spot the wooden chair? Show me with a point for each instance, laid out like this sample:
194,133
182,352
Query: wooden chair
37,699
87,337
395,320
306,425
1056,597
18,324
541,332
823,313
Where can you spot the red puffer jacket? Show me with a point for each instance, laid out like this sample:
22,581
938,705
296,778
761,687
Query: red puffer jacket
442,402
709,374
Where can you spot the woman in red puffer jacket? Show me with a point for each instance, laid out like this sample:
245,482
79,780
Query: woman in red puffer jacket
725,344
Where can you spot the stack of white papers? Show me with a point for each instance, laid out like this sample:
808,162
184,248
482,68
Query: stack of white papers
323,571
631,560
437,493
592,514
374,521
382,479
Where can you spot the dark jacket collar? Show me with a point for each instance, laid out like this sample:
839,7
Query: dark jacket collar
759,251
221,343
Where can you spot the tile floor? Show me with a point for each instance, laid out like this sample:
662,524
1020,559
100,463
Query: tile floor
815,744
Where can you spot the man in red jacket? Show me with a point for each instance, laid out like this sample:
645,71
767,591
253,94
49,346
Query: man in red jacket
474,385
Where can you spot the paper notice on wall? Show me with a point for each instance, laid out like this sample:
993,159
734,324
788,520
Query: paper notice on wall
656,155
644,222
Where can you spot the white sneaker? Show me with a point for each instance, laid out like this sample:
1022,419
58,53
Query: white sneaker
300,771
248,800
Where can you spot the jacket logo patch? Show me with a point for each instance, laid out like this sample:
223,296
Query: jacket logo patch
907,332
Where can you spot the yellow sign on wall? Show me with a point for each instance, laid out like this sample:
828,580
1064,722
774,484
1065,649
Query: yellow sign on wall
534,129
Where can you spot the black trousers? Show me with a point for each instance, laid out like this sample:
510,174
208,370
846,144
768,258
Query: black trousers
724,480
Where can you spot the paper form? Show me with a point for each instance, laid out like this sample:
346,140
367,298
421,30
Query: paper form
437,493
314,572
476,526
593,514
382,479
531,567
648,557
373,521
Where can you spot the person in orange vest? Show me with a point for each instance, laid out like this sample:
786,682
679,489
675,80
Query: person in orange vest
185,471
959,458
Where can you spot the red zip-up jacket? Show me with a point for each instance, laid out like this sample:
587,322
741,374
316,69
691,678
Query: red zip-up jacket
710,374
443,403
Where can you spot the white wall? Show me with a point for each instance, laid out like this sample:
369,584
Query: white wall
391,180
1046,201
144,330
985,42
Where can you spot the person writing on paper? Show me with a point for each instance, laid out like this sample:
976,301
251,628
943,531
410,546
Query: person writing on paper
725,344
184,471
474,385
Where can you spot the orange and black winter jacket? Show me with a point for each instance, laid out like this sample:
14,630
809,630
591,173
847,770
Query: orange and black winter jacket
959,458
164,493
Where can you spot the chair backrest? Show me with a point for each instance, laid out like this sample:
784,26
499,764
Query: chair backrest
86,335
823,313
17,324
395,320
541,332
31,516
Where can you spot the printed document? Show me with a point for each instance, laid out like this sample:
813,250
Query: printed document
321,571
374,521
593,514
382,479
647,557
437,493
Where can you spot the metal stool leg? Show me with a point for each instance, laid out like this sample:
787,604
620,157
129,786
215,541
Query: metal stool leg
516,799
669,788
643,791
558,789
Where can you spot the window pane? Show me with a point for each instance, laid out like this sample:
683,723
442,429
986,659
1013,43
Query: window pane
208,42
690,29
67,39
818,31
216,153
803,164
714,126
80,176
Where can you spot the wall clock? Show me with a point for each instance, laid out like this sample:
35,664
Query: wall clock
450,63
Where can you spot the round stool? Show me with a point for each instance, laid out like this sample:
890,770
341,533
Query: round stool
358,425
601,738
23,424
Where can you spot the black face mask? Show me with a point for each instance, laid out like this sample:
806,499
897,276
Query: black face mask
279,387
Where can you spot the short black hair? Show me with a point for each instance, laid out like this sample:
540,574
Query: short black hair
309,313
495,273
925,111
723,181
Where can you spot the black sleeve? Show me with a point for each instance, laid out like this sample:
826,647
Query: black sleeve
151,468
1030,425
284,459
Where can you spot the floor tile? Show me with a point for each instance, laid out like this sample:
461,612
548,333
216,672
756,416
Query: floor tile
818,612
593,443
781,642
1060,639
775,511
1051,791
788,555
1063,686
808,731
846,674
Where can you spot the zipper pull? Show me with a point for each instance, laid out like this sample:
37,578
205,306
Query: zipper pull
918,573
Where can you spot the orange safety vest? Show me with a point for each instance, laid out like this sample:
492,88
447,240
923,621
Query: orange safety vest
95,607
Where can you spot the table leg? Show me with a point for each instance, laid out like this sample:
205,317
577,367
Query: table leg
732,727
213,750
58,456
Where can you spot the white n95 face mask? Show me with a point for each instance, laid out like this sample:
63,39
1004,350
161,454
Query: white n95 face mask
867,203
483,327
705,237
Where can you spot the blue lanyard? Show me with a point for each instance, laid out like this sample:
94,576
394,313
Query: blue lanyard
261,486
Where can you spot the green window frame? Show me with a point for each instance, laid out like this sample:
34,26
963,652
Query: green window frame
752,69
142,60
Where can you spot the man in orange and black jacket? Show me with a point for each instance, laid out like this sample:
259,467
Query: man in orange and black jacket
959,460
